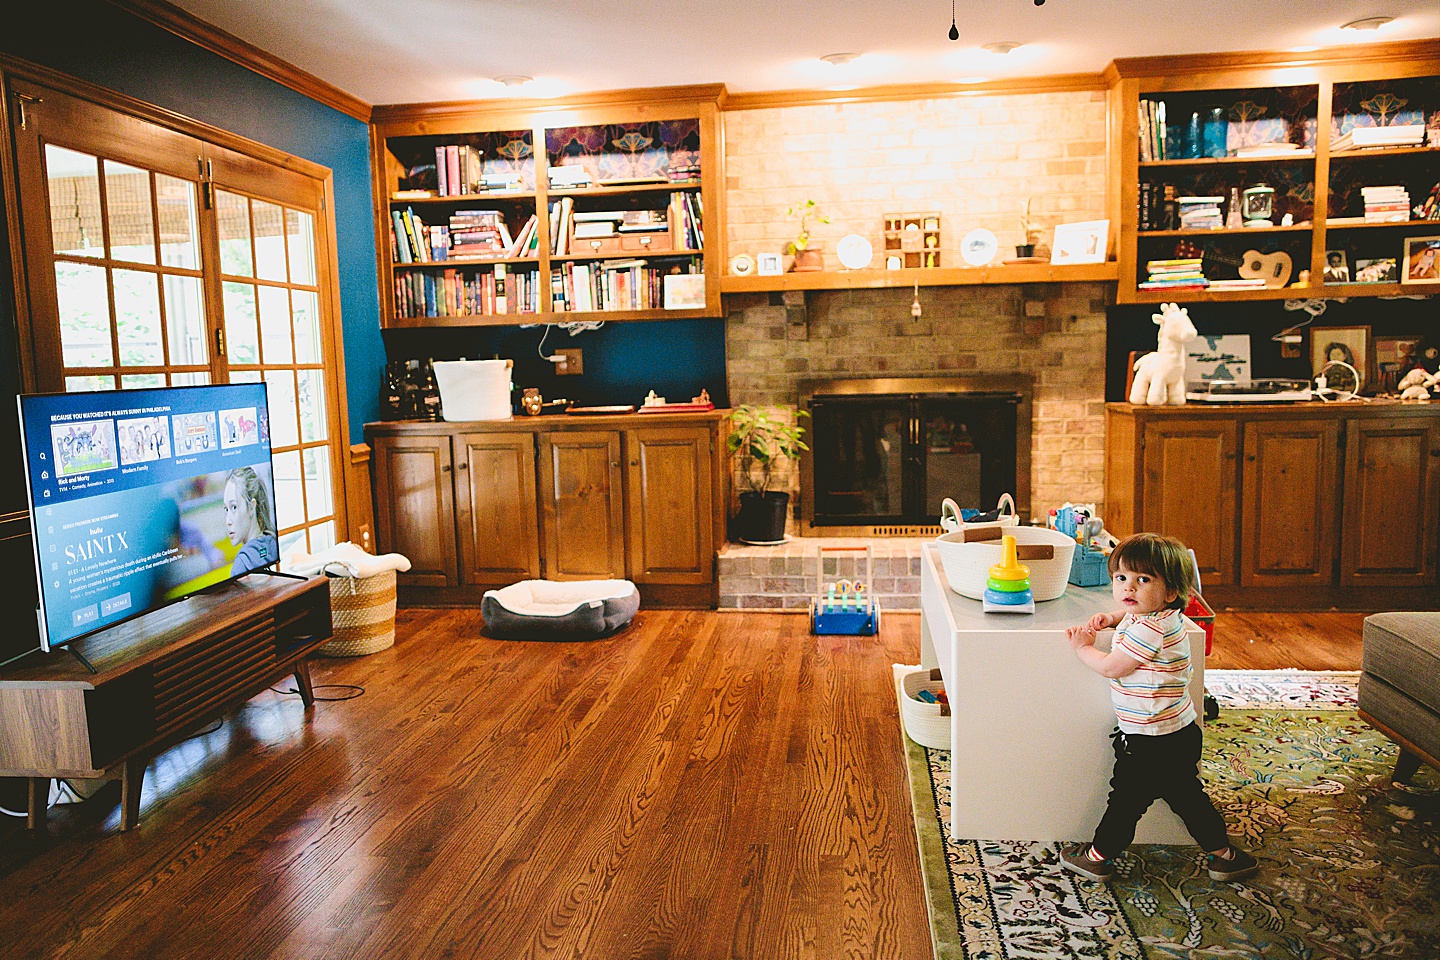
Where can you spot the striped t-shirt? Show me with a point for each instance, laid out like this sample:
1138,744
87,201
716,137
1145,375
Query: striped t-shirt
1155,699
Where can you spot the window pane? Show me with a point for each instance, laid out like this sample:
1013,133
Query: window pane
245,376
232,216
137,318
312,405
179,246
318,499
185,320
242,340
73,180
301,227
275,325
292,543
289,495
88,384
84,315
307,326
195,378
135,381
322,537
269,241
132,222
283,430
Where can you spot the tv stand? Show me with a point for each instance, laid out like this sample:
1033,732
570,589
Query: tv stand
157,679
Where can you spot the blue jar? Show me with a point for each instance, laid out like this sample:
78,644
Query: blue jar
1193,142
1217,132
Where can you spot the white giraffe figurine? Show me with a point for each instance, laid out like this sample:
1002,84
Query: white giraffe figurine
1160,376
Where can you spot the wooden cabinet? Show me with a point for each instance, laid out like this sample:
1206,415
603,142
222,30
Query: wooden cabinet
639,497
1328,505
415,507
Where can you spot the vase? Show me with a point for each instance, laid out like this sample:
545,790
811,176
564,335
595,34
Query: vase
1216,133
1194,142
808,260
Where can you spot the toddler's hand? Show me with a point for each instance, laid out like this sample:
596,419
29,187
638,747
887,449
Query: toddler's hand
1080,636
1099,622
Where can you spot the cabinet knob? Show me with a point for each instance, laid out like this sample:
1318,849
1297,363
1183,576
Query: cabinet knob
445,468
463,465
1251,458
634,463
614,463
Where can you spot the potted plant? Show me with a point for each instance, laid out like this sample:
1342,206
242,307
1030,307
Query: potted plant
1027,226
763,440
805,250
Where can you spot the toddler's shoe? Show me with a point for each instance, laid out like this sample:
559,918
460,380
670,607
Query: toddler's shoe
1077,860
1240,866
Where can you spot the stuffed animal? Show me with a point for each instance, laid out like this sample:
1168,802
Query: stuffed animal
1160,376
1417,384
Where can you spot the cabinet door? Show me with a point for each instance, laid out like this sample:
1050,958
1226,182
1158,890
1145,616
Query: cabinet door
495,506
415,507
668,501
1189,490
1392,483
1287,522
583,521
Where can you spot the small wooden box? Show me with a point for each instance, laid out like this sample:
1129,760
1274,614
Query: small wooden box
624,243
914,238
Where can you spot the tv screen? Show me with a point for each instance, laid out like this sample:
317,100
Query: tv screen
142,497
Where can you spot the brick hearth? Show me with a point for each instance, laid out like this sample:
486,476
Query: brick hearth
783,577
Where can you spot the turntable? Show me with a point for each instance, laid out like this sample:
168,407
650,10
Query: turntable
1269,390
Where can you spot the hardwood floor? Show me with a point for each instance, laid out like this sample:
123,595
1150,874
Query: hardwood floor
701,786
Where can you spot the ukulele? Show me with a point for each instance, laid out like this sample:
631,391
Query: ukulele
1273,268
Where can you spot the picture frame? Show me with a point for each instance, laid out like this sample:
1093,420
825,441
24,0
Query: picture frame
1422,260
1375,270
1350,344
768,265
1337,266
1083,242
1393,357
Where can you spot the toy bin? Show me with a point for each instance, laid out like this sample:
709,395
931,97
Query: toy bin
928,724
967,563
362,615
1199,611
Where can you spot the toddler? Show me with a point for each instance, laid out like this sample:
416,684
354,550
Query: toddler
1157,748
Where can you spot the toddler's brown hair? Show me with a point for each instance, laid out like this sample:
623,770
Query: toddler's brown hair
1157,556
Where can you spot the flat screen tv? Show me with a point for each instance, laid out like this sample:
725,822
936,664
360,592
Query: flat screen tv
139,498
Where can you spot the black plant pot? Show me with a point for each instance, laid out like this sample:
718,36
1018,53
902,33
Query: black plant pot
1024,251
762,517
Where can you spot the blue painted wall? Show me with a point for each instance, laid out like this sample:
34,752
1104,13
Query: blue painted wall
95,41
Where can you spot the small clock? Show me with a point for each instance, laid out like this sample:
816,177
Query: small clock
854,252
742,265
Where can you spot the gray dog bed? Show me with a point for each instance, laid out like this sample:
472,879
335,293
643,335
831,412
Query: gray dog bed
555,610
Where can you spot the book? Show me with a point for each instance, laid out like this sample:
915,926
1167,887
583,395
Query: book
592,229
452,170
440,171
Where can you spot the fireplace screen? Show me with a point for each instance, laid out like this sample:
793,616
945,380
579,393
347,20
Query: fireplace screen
891,459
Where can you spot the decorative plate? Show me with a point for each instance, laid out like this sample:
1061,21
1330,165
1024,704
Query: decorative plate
854,252
978,248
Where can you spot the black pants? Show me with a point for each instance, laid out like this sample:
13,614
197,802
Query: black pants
1158,768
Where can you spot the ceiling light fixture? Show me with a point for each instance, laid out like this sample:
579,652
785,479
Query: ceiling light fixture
954,33
972,80
1002,46
514,80
839,59
1367,23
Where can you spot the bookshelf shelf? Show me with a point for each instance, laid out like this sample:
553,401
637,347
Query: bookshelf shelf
1308,101
520,243
924,276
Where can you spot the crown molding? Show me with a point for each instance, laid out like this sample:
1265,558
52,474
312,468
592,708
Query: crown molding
912,91
438,110
186,25
1324,57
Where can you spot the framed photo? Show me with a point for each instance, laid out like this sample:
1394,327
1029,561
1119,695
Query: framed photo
1348,344
1375,270
768,265
1337,267
1393,357
1083,242
1422,260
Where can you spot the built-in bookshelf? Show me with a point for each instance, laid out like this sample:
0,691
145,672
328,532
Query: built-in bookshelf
1342,147
536,211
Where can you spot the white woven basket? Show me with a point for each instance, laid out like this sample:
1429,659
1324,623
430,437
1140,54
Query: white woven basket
950,515
362,615
923,721
967,565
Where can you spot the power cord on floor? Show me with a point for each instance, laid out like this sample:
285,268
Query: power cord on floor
359,691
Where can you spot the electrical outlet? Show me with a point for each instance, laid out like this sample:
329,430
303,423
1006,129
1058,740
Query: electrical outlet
572,365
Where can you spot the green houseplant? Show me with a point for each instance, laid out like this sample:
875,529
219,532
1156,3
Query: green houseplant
803,248
1032,234
763,440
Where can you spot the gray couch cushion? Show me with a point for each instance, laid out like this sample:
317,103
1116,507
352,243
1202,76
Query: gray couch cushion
1408,718
1403,649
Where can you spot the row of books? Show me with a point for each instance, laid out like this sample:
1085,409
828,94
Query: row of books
1386,204
1201,213
470,234
457,293
458,170
1180,274
1398,135
627,285
1152,130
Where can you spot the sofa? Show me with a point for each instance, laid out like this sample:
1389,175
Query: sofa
1400,685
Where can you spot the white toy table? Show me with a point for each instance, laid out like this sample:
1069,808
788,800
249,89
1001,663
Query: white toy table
1030,724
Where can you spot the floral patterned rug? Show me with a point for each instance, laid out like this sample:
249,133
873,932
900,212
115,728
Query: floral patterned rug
1350,864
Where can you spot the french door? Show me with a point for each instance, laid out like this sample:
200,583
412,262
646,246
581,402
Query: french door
154,258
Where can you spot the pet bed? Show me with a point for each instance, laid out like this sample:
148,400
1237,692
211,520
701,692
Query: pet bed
554,610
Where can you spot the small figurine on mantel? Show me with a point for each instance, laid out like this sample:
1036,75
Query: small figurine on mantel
653,401
1160,376
657,404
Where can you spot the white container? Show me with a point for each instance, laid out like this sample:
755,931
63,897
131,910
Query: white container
924,722
950,516
474,389
967,565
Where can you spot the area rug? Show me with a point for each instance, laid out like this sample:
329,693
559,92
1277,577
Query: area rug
1350,864
1284,689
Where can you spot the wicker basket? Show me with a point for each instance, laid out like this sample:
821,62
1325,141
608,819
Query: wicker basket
950,516
362,615
924,723
968,564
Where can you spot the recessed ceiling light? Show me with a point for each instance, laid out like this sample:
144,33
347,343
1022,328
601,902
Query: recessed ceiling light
1367,23
515,80
839,59
1002,46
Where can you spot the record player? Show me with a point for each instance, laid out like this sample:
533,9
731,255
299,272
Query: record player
1268,390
